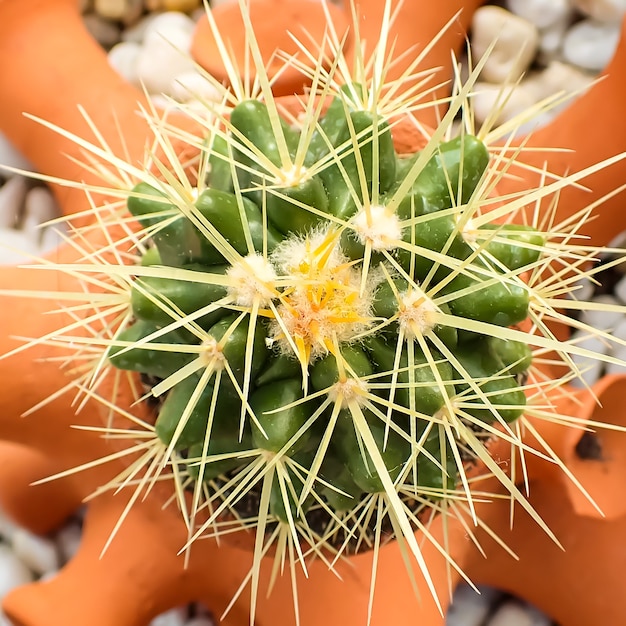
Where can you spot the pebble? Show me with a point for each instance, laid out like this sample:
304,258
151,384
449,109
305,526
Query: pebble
106,33
137,32
165,52
68,540
39,207
590,44
620,290
591,369
491,99
603,320
175,617
10,157
39,554
12,197
541,13
13,572
469,608
191,85
516,43
511,614
123,57
121,10
602,10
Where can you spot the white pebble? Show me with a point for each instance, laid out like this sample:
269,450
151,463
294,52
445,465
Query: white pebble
165,53
516,43
541,13
604,319
164,23
192,85
7,527
175,617
39,207
13,572
511,614
590,44
590,368
68,540
502,102
10,157
469,608
602,10
620,290
123,59
537,617
16,247
137,32
12,196
37,553
618,350
557,77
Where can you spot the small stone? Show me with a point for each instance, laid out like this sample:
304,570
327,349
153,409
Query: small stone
16,247
164,23
551,42
590,368
603,319
123,58
620,290
557,77
13,572
68,540
136,32
502,102
590,44
192,85
516,42
7,525
602,10
106,33
538,618
12,197
175,617
618,350
541,13
39,207
37,553
469,608
165,52
10,157
511,614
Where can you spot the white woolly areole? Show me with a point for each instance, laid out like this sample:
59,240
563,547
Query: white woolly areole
350,390
469,232
378,226
417,314
252,279
211,354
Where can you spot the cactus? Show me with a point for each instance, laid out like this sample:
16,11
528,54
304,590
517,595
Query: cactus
334,333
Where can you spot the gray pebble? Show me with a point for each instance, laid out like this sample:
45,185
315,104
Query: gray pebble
13,572
37,553
12,196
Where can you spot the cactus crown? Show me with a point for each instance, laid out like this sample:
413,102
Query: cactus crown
331,328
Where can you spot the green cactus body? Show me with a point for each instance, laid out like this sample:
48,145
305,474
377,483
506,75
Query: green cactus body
338,296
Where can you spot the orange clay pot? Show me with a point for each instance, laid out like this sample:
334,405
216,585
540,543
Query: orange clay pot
140,575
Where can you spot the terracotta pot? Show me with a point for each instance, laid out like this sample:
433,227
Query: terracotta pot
141,573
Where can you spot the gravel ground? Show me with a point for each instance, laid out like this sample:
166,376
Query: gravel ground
564,42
